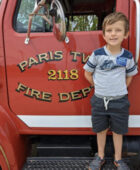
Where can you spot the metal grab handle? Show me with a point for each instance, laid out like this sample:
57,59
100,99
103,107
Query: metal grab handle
137,30
36,9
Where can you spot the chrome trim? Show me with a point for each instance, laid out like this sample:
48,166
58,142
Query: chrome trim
67,121
137,30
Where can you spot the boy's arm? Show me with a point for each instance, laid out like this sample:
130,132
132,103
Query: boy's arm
89,77
128,80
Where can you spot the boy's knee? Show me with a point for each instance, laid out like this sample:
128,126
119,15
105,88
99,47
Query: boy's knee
116,134
104,131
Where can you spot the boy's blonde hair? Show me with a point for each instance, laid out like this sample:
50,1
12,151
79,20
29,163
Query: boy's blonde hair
114,17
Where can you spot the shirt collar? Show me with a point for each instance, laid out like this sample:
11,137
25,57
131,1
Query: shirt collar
117,55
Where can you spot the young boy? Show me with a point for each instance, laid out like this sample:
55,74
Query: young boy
110,70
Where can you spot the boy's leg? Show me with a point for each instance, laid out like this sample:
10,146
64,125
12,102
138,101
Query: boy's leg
101,141
99,160
118,141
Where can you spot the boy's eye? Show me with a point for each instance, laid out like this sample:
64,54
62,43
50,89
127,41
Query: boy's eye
118,30
108,30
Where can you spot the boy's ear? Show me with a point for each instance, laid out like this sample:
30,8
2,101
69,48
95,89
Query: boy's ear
126,35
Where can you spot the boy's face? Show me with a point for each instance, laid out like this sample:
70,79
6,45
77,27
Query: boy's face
115,33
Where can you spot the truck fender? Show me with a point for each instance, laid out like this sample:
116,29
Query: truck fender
12,145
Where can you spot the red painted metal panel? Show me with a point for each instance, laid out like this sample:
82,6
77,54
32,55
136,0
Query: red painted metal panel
22,86
29,68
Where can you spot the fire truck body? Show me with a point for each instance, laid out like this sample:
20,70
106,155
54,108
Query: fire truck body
42,86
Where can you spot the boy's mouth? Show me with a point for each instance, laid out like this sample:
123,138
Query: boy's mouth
113,39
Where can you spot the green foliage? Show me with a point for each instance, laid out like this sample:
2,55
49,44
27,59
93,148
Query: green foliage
26,8
83,23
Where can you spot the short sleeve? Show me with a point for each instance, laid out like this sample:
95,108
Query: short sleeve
91,63
131,68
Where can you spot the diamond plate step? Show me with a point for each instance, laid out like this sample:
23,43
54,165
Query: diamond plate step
67,163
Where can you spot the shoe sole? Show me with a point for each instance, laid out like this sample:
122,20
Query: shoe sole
99,168
91,169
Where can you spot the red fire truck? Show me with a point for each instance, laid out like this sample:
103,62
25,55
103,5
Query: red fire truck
45,114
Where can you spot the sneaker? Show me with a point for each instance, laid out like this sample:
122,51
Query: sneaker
121,165
97,163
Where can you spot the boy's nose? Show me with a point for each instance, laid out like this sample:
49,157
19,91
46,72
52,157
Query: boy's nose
113,32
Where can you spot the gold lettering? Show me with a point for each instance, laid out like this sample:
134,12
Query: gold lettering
75,54
32,61
21,87
63,97
58,55
84,58
35,93
51,55
27,92
46,96
86,91
75,95
22,65
43,57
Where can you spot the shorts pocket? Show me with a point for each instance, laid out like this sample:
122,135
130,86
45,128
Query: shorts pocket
97,103
120,105
95,100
